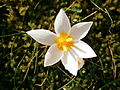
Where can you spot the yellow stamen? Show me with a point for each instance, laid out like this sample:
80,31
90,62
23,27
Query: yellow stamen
64,42
79,62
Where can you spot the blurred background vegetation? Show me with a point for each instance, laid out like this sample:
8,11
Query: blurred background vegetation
21,58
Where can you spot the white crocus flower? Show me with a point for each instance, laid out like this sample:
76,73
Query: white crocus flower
65,44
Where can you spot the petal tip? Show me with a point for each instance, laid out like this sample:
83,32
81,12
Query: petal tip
90,22
75,74
29,32
61,10
95,55
46,65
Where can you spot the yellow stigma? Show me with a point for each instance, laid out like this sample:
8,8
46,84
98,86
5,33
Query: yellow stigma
64,42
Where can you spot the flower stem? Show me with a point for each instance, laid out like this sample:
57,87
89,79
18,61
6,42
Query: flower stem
67,83
70,6
88,16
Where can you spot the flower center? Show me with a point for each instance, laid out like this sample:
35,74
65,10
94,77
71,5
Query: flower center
64,42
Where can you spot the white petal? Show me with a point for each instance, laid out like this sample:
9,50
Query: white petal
62,23
64,59
80,30
82,62
42,36
53,55
70,63
83,50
